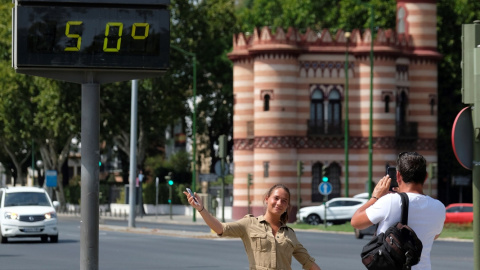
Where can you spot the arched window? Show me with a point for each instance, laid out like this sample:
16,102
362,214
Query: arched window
334,173
334,112
401,20
266,103
316,180
317,111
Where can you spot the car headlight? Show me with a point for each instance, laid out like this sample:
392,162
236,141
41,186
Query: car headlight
50,215
11,215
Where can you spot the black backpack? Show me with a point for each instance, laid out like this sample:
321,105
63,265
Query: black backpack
397,248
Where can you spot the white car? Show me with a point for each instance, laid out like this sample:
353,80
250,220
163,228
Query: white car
27,212
339,210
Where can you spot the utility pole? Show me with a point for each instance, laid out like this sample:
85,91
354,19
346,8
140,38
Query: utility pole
222,154
299,176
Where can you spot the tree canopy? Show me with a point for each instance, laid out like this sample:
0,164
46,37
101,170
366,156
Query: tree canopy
45,114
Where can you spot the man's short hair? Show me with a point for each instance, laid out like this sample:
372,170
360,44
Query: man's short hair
412,167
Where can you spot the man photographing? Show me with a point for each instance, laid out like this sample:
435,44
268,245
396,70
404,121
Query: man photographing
426,215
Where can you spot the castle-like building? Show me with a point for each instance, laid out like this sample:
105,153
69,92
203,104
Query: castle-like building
291,92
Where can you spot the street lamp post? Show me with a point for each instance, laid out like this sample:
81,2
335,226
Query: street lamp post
347,65
194,116
370,141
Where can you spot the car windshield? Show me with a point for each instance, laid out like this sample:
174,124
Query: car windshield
26,198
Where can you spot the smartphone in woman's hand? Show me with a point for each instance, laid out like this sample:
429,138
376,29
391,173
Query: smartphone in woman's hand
193,196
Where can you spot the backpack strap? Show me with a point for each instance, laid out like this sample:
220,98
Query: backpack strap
405,201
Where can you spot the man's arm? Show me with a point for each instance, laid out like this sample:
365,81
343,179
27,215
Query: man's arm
315,267
360,219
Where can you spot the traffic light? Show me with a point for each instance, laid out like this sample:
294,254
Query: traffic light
249,179
325,174
222,146
470,40
170,182
299,168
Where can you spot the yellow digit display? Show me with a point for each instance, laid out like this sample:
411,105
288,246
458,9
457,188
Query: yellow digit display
140,25
109,35
98,36
70,35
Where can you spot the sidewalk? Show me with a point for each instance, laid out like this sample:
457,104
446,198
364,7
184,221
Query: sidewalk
160,219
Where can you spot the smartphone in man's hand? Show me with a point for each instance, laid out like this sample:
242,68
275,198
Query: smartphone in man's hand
392,172
193,196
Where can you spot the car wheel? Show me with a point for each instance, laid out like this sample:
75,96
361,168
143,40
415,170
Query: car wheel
313,219
358,234
54,238
3,239
44,238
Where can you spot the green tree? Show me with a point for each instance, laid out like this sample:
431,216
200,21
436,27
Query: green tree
451,15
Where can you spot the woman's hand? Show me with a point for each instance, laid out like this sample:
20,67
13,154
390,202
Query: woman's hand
191,201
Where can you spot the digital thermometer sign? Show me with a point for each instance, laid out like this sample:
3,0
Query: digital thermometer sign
91,36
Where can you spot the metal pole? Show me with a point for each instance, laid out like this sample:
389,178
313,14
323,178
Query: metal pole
476,203
298,196
90,176
33,163
194,174
476,159
325,199
133,156
249,184
347,35
370,141
222,169
156,197
170,200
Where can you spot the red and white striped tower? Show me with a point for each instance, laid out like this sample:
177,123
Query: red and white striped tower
289,92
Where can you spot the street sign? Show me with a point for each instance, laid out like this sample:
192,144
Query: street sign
461,180
61,39
325,188
210,177
51,178
462,138
218,168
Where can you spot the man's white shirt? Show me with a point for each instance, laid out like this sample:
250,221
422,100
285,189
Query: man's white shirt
426,217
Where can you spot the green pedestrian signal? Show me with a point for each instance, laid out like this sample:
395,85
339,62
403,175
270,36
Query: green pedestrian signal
325,174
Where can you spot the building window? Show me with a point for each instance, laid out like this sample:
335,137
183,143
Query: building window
266,96
401,20
402,102
387,103
266,103
433,103
334,173
250,129
334,112
316,180
266,164
317,110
